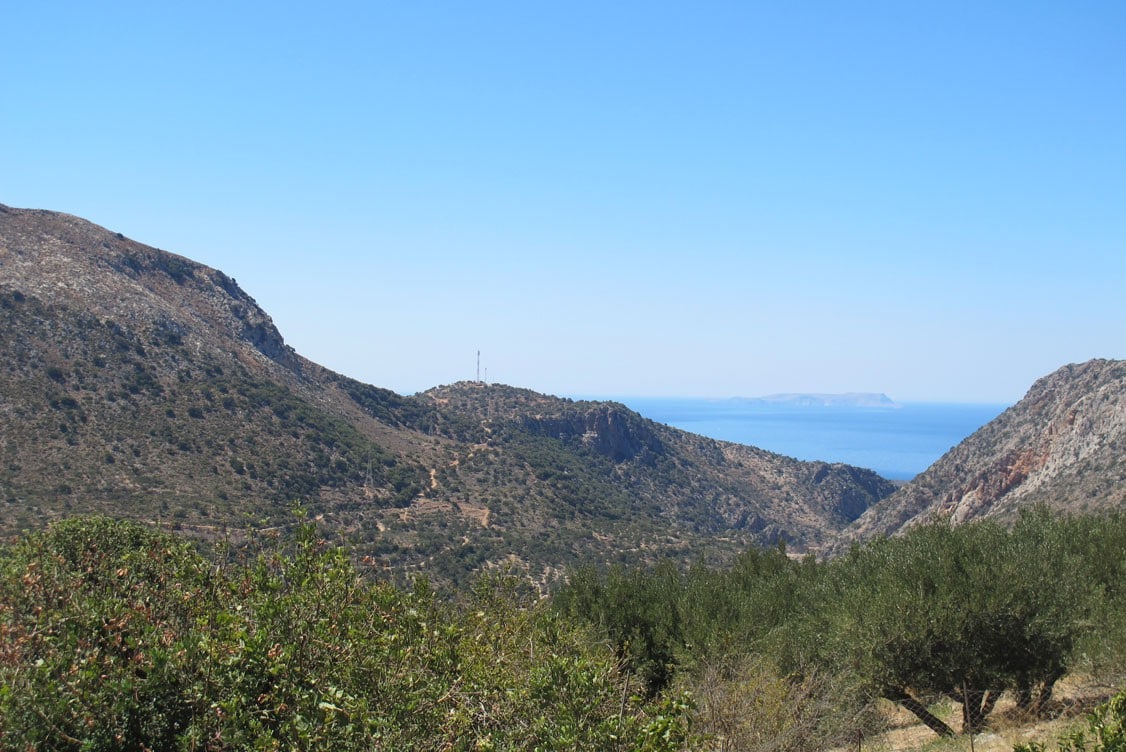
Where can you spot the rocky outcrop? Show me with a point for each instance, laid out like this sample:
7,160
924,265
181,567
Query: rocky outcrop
852,489
1063,445
64,260
609,430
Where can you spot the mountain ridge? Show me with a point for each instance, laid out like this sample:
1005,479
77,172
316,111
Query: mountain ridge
143,384
1063,445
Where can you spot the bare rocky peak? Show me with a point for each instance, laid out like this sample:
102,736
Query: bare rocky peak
64,260
1062,445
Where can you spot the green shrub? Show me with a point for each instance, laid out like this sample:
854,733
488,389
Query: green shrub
117,637
1105,732
98,620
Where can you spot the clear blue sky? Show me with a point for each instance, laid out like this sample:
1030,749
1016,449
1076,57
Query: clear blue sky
689,199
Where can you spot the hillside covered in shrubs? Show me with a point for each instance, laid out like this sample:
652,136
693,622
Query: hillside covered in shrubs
139,384
117,636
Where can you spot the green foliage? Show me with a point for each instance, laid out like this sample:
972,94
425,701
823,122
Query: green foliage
740,609
1105,732
659,617
116,637
1103,542
964,613
96,637
638,611
715,634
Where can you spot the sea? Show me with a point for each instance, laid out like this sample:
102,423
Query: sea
898,442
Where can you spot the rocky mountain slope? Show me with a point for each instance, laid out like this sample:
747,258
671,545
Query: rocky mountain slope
139,383
1063,445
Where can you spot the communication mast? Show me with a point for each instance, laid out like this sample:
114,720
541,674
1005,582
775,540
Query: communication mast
478,366
369,482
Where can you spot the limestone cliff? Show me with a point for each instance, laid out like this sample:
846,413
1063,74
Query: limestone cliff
1062,445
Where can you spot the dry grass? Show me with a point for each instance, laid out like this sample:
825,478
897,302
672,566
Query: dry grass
745,705
1074,698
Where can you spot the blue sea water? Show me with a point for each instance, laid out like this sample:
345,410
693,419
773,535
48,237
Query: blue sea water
896,442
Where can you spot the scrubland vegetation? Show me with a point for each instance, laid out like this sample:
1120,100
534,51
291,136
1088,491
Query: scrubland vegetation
963,614
115,636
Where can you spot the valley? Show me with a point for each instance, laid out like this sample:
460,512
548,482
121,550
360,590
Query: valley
493,563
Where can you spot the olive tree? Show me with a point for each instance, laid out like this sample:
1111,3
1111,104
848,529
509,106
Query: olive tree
964,612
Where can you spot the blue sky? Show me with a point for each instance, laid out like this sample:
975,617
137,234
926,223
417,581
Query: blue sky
682,199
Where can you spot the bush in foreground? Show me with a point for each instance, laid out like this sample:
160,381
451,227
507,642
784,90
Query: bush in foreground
1105,732
117,637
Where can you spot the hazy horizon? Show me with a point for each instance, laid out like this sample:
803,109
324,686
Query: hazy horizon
726,199
723,398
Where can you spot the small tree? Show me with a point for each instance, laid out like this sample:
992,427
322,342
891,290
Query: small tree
964,612
639,612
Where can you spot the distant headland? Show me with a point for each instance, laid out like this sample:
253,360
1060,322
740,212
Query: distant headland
848,399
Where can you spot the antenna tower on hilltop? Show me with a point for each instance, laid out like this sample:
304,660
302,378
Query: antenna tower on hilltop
478,366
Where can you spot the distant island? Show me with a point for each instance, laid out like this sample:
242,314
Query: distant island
848,399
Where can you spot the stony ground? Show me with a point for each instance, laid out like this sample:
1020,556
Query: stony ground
1074,698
